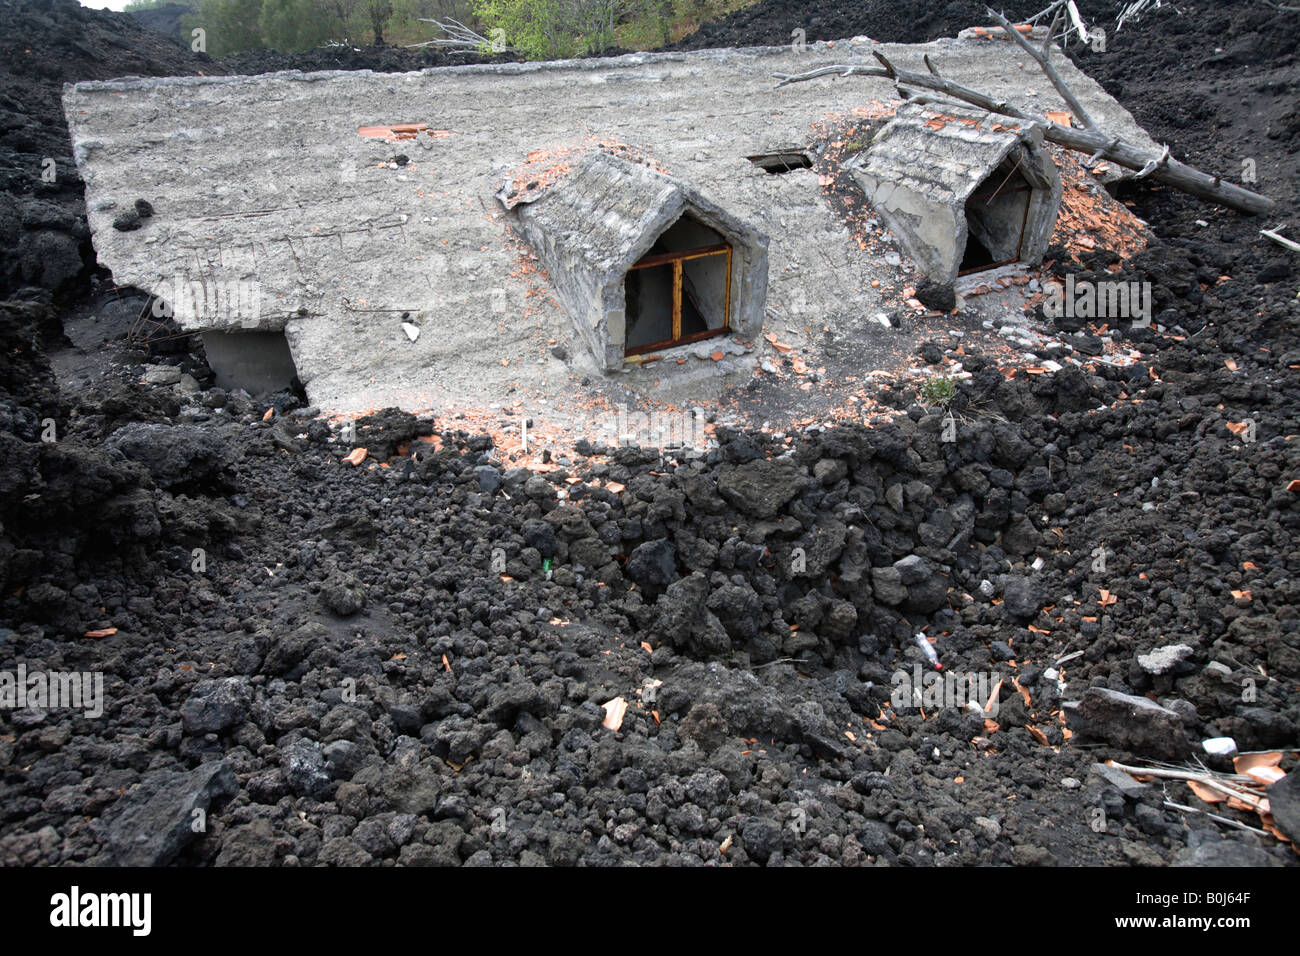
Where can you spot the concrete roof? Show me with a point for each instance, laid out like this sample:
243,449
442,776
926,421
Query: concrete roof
924,164
264,179
610,211
944,153
599,218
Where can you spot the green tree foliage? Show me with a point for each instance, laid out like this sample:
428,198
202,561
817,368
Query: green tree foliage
378,12
553,29
295,25
347,19
521,24
231,26
144,5
539,29
404,24
664,14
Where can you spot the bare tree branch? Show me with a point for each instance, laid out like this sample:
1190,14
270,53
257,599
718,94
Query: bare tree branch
1076,19
1281,240
457,35
1042,58
1051,32
1134,12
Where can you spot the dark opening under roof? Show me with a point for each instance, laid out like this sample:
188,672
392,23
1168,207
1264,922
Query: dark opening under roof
782,161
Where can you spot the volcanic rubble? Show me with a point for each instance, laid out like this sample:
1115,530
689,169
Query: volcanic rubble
408,660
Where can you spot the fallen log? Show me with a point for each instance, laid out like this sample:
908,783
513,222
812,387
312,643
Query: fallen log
1097,143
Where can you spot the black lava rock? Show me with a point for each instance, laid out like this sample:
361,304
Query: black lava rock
937,296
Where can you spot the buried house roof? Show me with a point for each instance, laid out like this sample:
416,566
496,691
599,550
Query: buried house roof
609,211
926,162
944,153
263,185
595,222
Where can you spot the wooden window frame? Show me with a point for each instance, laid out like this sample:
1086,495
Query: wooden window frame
676,260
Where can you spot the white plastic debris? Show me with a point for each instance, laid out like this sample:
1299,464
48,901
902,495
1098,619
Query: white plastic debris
1220,746
412,331
928,650
1053,674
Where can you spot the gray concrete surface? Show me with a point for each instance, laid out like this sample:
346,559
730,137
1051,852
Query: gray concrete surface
263,190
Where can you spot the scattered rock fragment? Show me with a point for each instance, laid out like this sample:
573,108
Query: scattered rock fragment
344,594
1162,660
150,825
215,706
1131,723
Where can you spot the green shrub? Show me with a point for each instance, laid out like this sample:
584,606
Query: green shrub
938,391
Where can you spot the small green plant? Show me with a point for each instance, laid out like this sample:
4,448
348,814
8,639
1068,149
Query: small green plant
938,391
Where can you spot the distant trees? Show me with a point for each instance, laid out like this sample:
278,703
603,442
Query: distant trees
553,29
379,11
538,29
294,25
230,26
233,26
550,29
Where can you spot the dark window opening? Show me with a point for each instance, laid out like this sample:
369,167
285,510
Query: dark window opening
996,214
256,361
977,257
774,164
680,290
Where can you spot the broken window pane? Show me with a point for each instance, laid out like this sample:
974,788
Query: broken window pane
781,162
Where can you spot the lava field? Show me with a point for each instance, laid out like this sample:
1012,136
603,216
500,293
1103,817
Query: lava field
443,656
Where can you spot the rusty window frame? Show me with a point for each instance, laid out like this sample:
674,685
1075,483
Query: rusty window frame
676,260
